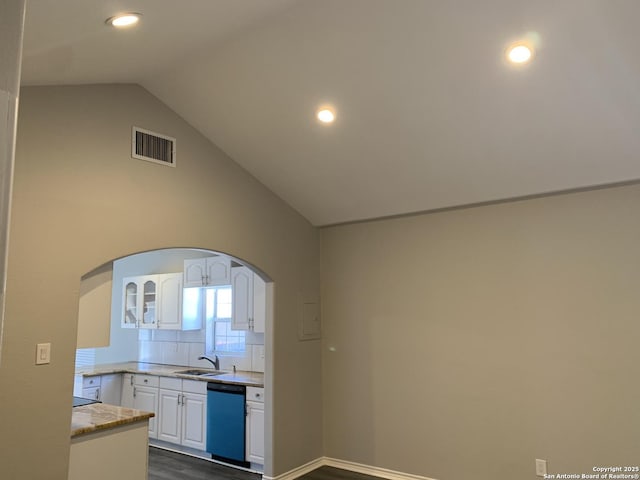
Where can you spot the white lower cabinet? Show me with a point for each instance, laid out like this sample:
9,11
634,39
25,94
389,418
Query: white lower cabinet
92,393
111,388
145,397
255,425
182,412
91,387
104,388
126,400
169,403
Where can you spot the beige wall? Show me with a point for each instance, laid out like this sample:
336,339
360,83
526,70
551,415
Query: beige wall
470,342
79,201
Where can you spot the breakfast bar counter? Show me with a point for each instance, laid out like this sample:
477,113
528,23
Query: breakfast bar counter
109,442
99,416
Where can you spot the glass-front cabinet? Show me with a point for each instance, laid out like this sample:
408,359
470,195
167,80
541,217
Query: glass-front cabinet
148,318
139,301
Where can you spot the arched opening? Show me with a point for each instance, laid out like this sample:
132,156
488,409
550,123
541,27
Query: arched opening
171,313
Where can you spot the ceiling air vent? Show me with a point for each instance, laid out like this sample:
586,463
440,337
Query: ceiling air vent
153,147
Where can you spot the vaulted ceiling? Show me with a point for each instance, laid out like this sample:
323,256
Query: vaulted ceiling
429,114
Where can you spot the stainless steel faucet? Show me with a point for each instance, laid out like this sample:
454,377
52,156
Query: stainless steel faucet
216,362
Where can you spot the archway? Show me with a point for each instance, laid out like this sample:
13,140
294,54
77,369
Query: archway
109,339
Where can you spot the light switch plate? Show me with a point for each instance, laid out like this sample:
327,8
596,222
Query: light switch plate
43,353
541,467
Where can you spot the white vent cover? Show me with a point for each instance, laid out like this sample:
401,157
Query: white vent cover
153,147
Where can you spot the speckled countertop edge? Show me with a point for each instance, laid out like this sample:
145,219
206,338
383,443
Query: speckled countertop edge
100,416
250,379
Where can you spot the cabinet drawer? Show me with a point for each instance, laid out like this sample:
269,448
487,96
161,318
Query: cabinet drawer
255,394
194,386
92,392
171,383
88,382
146,380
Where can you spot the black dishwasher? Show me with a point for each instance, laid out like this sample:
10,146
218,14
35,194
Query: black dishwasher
226,422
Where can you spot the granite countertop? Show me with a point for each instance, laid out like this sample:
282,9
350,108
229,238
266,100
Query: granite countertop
251,379
100,416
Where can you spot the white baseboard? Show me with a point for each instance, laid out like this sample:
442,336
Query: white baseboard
346,465
298,471
373,471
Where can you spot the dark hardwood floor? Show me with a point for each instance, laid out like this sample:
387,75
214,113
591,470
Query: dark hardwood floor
165,465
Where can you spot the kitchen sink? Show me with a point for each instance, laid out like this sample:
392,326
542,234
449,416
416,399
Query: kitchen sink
199,373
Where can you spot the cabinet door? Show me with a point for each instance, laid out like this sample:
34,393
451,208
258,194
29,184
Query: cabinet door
193,303
146,399
194,418
259,304
169,300
218,270
195,272
126,400
242,298
130,303
149,296
111,388
255,432
169,417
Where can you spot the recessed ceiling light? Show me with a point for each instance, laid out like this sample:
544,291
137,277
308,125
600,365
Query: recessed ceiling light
519,53
124,20
326,116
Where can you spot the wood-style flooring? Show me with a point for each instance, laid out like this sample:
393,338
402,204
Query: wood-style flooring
165,465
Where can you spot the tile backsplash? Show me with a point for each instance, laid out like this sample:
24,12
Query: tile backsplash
174,347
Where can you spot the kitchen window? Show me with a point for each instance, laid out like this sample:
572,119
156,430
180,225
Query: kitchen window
220,337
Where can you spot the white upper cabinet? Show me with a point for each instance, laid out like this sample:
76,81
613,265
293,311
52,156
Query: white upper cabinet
170,301
242,298
202,272
249,300
155,301
149,315
139,301
195,272
259,304
218,270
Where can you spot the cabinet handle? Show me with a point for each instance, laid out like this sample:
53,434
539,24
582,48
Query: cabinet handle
134,392
98,394
132,380
257,395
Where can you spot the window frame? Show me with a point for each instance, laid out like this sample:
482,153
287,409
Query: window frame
212,321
